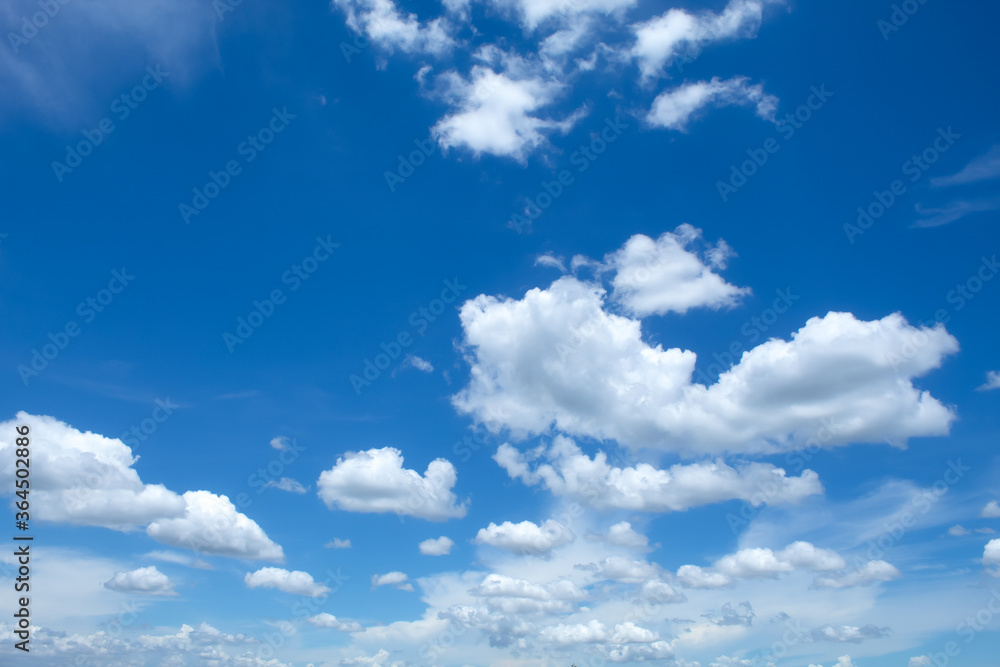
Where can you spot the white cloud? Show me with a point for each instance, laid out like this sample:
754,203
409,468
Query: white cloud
958,531
848,633
420,364
677,32
84,478
660,592
983,168
179,559
673,109
286,484
991,556
380,659
211,525
760,563
535,12
143,581
551,261
992,381
382,23
620,568
330,621
919,661
952,211
337,543
657,277
497,113
872,572
643,487
525,537
436,547
623,535
991,510
395,579
295,582
375,481
280,442
557,358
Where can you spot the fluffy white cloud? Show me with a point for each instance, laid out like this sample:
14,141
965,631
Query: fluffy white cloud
286,484
337,543
437,547
659,40
643,487
992,381
760,563
623,535
143,581
525,537
673,108
211,525
991,555
619,568
419,363
295,582
991,510
330,621
557,358
667,275
84,478
376,481
395,579
919,661
842,661
660,592
382,23
498,113
871,572
534,12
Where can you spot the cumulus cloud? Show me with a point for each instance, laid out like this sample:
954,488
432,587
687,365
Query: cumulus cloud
919,661
295,582
499,113
870,573
992,381
382,23
760,563
672,109
331,622
211,525
991,510
337,543
991,556
667,274
678,33
436,547
558,359
534,12
375,481
622,534
395,579
525,537
848,633
842,661
570,472
143,581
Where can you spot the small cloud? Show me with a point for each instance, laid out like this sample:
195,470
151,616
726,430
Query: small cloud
286,484
552,261
294,582
958,531
919,661
179,559
394,579
935,217
144,581
983,168
991,511
439,547
420,364
985,531
280,443
992,381
330,621
337,543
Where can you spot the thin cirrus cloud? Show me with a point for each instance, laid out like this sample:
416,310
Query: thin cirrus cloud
983,168
560,358
673,109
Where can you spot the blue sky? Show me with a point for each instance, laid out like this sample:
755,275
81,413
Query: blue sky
502,333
